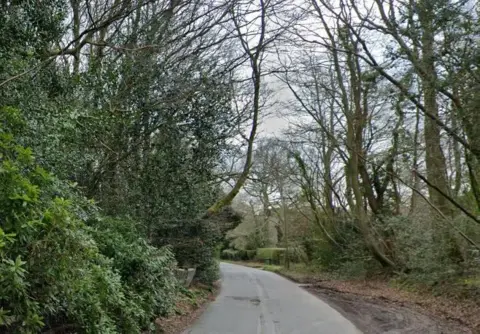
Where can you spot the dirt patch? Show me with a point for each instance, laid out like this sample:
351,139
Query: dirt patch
188,309
461,314
376,307
378,315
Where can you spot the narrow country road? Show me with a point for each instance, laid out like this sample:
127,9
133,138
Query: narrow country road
254,301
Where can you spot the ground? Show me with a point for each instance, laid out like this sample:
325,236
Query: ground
375,306
254,301
190,305
374,315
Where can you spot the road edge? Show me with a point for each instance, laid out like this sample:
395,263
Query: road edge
180,323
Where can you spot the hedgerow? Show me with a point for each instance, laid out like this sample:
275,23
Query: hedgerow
57,271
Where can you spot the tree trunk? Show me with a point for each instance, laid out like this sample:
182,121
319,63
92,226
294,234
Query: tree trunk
434,157
416,180
355,126
76,35
457,155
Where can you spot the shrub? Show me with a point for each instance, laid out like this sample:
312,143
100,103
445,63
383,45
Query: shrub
146,271
247,255
238,255
193,242
209,273
53,273
51,269
297,254
275,255
430,249
230,254
350,247
352,269
324,255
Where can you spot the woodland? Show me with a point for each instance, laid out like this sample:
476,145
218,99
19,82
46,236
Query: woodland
133,142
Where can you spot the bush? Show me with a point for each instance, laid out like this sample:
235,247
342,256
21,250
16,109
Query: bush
297,254
146,271
324,255
230,254
194,244
238,255
431,250
350,247
209,273
58,272
249,254
352,269
275,255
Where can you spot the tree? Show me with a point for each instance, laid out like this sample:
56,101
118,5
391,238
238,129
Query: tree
131,103
263,18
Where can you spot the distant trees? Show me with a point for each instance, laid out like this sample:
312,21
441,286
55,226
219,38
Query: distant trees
380,123
380,107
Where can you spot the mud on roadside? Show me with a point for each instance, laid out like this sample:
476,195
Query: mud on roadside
373,315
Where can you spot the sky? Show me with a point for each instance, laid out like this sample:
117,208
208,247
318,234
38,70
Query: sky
273,122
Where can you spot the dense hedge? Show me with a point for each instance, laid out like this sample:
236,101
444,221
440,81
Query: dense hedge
277,255
146,272
194,244
57,271
273,255
238,255
229,254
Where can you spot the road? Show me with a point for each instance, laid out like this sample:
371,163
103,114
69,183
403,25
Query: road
254,301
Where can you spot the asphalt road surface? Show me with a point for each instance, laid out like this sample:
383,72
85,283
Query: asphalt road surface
254,301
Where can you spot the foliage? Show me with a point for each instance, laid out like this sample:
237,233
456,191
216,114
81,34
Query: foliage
430,254
145,271
297,254
238,255
271,254
230,254
273,268
136,107
248,254
53,272
194,244
277,255
350,247
142,131
258,238
208,272
144,106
